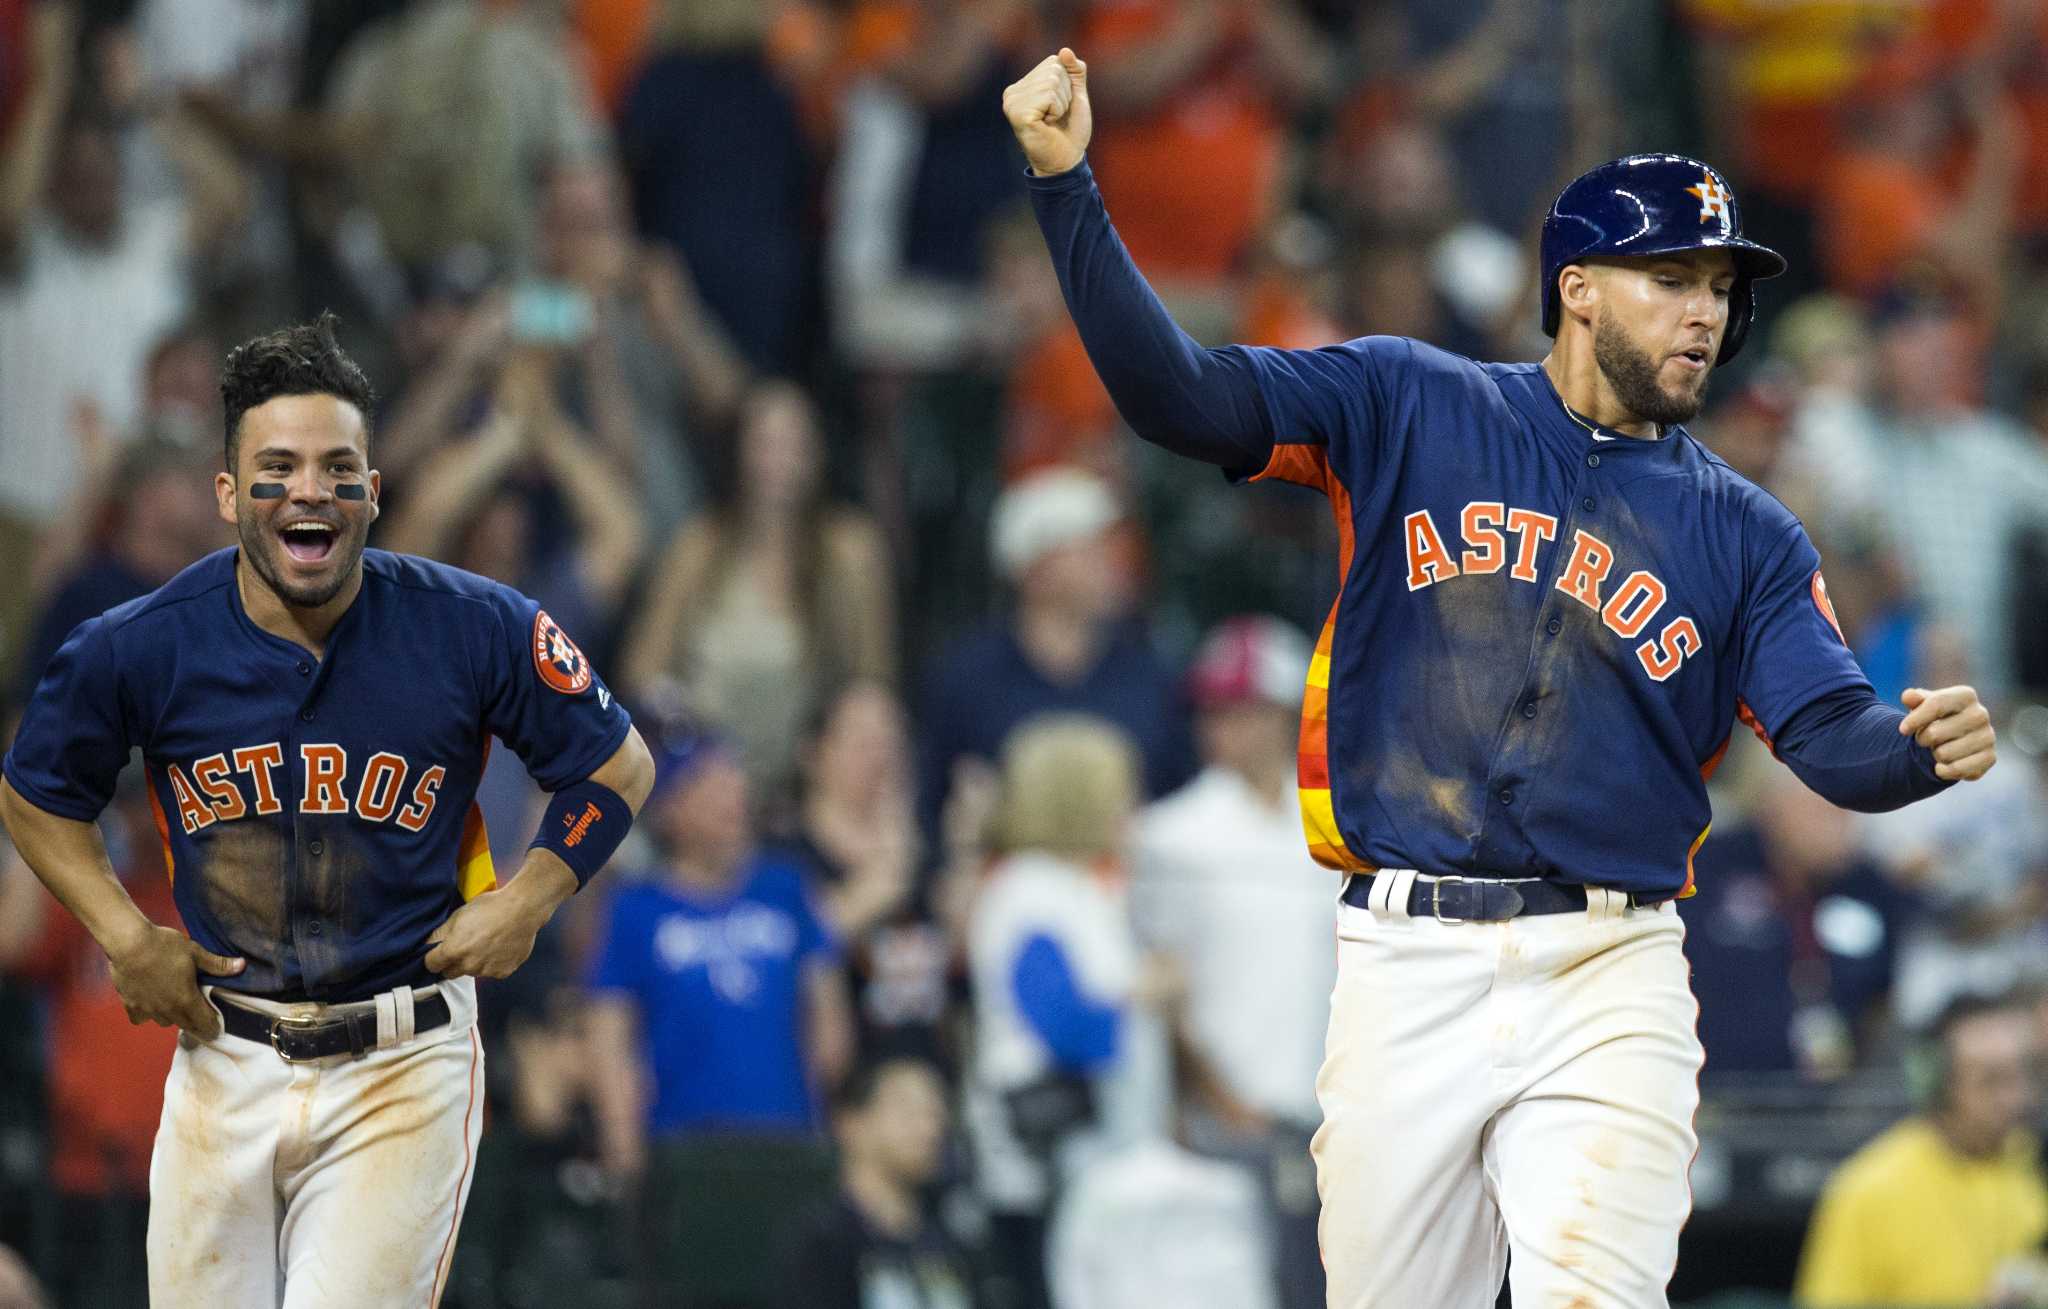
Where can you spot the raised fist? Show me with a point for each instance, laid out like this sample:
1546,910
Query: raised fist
1048,110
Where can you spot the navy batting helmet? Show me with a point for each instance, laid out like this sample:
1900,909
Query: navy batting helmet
1654,205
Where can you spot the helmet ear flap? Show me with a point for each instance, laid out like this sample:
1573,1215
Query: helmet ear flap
1741,314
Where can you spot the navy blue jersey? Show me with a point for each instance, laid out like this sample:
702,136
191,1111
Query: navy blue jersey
318,815
1542,635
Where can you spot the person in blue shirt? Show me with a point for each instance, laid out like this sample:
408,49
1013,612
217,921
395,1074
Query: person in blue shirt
718,1001
1066,645
1793,940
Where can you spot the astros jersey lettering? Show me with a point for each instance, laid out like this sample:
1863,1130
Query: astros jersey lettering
1541,635
318,815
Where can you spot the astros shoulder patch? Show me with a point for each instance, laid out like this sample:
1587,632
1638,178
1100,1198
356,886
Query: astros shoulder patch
556,658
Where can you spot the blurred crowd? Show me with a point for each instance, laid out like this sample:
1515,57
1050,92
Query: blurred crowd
967,952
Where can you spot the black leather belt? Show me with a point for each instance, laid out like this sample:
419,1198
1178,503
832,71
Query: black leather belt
299,1039
1482,900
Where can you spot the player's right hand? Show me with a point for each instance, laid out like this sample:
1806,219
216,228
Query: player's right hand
1048,110
157,975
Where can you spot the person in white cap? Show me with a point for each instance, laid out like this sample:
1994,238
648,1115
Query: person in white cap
1222,885
1066,643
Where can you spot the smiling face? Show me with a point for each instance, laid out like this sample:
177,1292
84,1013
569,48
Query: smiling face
302,495
1657,326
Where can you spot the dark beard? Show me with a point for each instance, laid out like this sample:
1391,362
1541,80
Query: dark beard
256,548
1633,375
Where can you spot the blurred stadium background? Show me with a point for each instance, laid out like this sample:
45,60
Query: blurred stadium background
721,327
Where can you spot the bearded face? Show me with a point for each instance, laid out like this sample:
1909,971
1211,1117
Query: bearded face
1658,329
1638,376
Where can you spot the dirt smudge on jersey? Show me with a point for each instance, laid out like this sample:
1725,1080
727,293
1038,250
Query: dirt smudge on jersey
332,884
242,889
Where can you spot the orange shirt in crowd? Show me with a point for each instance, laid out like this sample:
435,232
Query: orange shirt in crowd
1191,182
1792,63
106,1075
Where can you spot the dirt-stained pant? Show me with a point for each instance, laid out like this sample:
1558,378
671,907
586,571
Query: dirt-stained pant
1528,1084
318,1185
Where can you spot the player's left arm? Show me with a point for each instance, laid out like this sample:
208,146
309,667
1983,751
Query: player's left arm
493,934
1803,690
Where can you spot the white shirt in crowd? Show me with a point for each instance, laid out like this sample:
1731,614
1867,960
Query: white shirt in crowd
1223,882
78,323
1157,1225
1087,916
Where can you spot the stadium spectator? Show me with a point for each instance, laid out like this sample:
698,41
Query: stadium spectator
1978,861
105,1074
720,172
1793,935
1155,1223
93,281
856,836
1885,203
1950,1207
1069,1055
474,503
922,172
1985,481
152,516
760,605
717,1002
1194,97
877,1243
1065,645
654,371
1223,886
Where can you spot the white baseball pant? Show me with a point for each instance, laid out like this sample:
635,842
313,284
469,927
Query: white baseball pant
327,1184
1526,1085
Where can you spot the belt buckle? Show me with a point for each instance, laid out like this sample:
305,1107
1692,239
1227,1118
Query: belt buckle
1436,897
283,1023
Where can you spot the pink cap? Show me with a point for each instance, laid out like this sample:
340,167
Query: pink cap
1251,657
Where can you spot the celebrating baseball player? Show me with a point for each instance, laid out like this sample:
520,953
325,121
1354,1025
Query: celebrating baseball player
1555,603
313,718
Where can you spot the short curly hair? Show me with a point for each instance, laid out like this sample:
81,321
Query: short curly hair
303,359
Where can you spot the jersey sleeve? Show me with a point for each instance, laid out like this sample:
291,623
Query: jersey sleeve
543,698
1793,651
74,737
1328,397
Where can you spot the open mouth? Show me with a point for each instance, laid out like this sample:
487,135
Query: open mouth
1695,358
308,542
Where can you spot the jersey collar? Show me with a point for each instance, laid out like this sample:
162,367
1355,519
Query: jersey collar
1582,432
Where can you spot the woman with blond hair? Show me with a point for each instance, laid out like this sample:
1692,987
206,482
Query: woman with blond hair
1069,1059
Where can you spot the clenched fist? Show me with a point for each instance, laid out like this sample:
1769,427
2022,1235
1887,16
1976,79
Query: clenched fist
1048,110
1956,726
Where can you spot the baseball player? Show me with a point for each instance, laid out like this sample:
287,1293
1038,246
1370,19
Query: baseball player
1554,605
313,718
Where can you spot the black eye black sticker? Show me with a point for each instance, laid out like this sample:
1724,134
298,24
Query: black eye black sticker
266,490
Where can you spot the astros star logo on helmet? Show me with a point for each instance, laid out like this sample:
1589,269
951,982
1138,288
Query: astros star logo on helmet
1713,198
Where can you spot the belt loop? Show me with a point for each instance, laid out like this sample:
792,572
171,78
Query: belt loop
402,1002
1390,890
387,1020
1603,903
